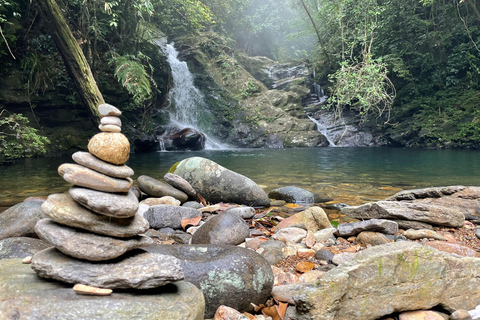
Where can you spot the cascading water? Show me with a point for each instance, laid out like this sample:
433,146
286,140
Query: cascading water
190,109
318,97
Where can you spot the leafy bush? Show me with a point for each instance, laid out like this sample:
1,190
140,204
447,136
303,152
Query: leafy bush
18,139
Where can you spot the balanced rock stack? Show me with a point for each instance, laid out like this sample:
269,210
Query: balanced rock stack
95,229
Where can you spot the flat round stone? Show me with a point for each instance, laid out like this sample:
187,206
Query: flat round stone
90,161
63,209
111,120
85,245
136,269
106,109
109,128
112,147
85,177
123,205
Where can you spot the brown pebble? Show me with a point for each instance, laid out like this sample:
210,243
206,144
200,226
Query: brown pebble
27,260
461,314
94,291
333,215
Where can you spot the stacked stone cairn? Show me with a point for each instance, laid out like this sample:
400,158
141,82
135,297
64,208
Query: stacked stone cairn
95,229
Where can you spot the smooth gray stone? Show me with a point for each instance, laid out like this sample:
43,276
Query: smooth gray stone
84,245
423,212
323,254
90,161
193,204
123,205
20,220
85,177
292,194
354,228
180,183
63,209
243,212
106,110
136,269
218,184
225,228
227,275
166,216
158,189
26,296
111,120
21,247
406,224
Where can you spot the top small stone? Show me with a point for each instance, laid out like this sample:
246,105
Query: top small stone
106,109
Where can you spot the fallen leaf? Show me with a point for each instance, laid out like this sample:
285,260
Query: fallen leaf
271,312
305,266
281,309
192,221
292,205
249,316
201,199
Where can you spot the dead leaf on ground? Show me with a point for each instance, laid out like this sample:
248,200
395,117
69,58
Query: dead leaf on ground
305,266
192,221
201,199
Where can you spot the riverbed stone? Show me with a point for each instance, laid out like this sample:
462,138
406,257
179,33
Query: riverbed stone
85,245
413,234
85,177
416,225
290,235
394,277
218,184
452,248
90,161
156,188
167,216
117,205
379,225
325,234
23,296
370,238
312,219
106,110
292,194
227,275
20,220
21,247
423,212
136,269
243,211
63,209
178,182
109,128
171,201
225,228
111,120
111,147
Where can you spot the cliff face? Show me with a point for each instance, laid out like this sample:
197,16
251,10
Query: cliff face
256,102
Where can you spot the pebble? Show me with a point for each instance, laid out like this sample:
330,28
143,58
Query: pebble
461,314
27,260
291,234
111,120
305,253
213,208
106,109
413,234
168,200
244,212
89,290
109,128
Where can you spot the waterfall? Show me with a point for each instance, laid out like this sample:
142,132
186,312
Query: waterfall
317,98
190,109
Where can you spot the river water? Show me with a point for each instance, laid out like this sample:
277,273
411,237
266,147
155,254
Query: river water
349,175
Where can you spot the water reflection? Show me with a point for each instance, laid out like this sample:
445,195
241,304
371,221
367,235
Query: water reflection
349,175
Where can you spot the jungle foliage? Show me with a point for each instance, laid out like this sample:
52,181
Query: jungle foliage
413,65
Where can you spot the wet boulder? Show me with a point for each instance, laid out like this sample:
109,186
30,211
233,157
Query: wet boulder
185,139
218,184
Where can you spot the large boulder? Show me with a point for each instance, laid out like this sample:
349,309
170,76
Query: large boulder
26,296
20,220
218,184
394,277
227,275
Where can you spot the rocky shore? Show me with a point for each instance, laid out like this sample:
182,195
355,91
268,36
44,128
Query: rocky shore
205,242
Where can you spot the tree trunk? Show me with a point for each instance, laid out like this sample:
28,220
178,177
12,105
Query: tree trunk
316,30
75,62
